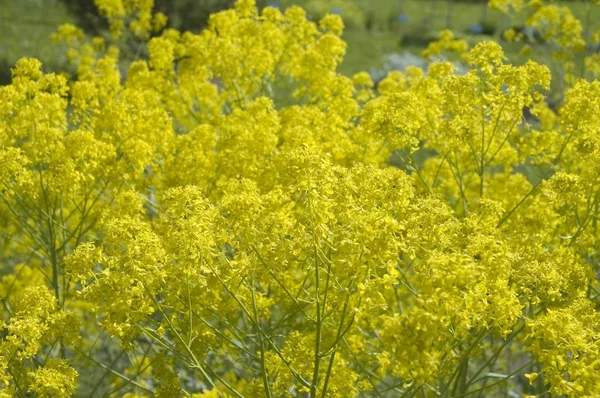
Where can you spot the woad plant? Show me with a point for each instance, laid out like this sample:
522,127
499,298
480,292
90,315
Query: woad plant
215,215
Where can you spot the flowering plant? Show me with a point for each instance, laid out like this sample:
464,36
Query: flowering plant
221,219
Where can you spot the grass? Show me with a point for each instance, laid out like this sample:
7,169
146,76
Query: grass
425,18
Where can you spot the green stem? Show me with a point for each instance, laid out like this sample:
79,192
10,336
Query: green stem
263,366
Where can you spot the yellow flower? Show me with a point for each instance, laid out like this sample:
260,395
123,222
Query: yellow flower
531,377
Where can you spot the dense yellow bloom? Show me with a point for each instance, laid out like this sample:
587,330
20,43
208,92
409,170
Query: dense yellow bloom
55,379
35,323
565,342
221,218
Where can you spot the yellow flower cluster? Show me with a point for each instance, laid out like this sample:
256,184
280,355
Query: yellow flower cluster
136,15
350,10
221,218
507,5
446,42
572,39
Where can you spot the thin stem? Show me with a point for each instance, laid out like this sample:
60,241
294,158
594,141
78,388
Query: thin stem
263,366
340,334
114,372
496,383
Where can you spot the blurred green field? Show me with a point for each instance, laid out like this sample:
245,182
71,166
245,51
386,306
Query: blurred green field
25,30
382,27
